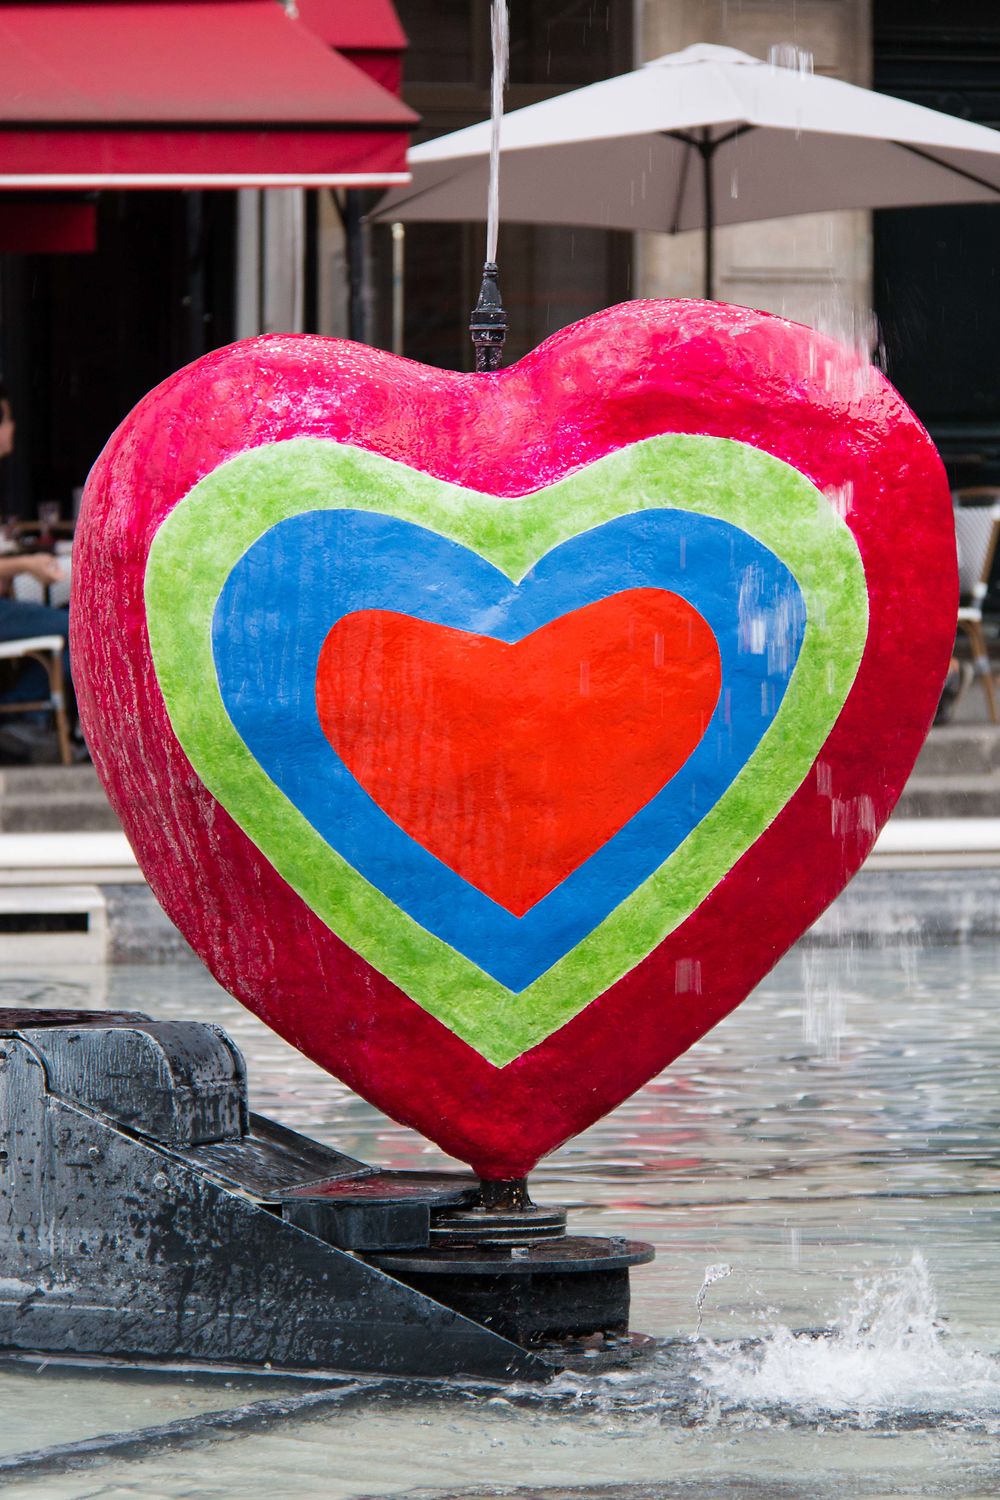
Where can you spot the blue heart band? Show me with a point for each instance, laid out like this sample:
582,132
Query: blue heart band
290,588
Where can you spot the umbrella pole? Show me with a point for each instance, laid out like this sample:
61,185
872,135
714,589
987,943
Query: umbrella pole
707,150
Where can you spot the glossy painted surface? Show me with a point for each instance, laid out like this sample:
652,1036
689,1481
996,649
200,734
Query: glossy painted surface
342,561
769,858
241,703
483,751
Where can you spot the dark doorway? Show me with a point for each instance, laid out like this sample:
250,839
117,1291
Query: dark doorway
84,337
937,281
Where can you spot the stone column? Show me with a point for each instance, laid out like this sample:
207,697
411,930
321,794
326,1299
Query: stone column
814,268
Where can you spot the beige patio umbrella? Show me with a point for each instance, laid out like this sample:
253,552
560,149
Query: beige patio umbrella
699,138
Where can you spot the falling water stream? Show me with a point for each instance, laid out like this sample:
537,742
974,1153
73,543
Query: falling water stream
500,42
821,1178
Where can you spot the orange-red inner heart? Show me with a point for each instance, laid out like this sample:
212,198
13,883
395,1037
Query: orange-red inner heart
514,763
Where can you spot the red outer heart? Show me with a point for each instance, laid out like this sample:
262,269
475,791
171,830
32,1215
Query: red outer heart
628,373
455,735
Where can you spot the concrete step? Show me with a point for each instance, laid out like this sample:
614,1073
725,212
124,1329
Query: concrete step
41,781
52,859
919,844
956,796
53,924
57,812
53,799
960,750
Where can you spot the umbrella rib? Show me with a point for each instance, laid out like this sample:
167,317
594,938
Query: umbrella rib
419,193
704,148
702,143
681,183
947,167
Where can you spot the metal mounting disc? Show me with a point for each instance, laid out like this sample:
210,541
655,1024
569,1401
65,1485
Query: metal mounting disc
488,1226
571,1254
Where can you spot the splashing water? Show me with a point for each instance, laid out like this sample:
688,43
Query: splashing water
887,1350
851,373
788,55
712,1275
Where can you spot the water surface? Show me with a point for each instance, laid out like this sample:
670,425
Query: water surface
831,1152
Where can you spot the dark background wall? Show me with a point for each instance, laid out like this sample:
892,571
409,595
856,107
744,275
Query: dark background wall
549,276
83,337
937,270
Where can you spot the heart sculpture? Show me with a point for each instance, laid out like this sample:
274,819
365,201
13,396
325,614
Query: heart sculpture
492,736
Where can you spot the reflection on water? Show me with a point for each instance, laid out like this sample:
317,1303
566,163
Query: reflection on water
842,1120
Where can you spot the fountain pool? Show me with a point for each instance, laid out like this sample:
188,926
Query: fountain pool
822,1171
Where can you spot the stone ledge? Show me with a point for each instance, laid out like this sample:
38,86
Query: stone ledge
891,907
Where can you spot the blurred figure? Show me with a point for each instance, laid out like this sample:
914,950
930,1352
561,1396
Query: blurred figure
957,683
28,738
6,423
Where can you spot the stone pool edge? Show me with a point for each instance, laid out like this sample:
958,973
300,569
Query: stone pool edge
81,895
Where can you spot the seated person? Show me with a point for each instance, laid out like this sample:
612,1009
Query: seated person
19,621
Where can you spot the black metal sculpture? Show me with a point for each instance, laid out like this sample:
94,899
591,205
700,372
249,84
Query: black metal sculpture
148,1215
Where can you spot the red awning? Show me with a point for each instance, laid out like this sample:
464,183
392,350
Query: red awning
369,35
187,93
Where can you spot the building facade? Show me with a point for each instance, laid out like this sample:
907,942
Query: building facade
916,288
83,336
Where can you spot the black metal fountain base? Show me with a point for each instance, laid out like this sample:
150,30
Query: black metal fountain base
509,1264
147,1215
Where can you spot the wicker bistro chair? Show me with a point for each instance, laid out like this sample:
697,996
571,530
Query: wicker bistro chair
47,650
977,531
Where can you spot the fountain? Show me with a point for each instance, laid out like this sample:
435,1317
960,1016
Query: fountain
180,1270
489,737
729,1158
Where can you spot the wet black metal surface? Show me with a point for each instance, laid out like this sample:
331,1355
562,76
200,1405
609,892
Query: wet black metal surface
556,1289
488,324
111,1243
177,1084
270,1161
500,1213
569,1254
476,1226
147,1215
376,1210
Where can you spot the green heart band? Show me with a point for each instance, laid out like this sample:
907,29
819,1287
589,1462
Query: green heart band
203,538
